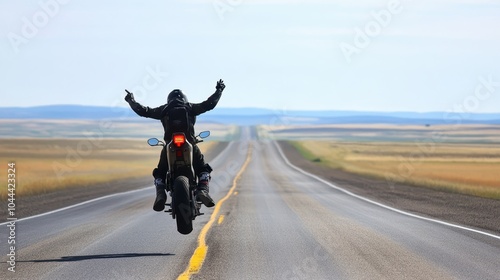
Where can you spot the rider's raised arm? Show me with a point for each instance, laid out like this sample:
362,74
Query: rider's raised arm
211,102
144,111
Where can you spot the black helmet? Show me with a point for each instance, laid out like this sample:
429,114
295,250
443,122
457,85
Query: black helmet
178,96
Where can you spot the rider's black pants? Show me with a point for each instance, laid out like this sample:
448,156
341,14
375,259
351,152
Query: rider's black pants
198,163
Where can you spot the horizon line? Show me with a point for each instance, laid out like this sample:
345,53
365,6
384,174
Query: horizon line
263,108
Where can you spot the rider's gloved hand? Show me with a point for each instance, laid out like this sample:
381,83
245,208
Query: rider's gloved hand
129,97
220,85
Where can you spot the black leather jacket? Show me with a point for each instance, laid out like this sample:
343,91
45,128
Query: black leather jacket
160,113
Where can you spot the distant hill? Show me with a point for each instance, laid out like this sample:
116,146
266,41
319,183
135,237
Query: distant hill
65,112
254,116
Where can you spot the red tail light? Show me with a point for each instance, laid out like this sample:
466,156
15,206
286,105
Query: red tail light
179,140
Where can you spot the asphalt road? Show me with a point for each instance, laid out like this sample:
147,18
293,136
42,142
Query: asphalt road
274,223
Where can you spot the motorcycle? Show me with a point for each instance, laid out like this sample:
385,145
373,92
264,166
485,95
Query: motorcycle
181,179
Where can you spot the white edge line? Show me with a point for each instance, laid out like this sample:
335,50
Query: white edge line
76,205
92,200
377,203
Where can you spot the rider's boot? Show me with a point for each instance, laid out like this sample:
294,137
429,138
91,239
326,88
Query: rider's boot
161,196
202,190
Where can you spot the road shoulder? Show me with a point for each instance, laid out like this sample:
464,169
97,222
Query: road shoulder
481,213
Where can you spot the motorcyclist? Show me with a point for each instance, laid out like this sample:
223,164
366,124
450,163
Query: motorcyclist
175,100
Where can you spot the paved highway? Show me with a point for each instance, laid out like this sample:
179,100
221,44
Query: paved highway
272,222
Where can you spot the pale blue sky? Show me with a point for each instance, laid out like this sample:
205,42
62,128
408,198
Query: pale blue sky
279,54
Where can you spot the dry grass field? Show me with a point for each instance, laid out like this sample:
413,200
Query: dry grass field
461,158
126,128
466,168
43,165
464,133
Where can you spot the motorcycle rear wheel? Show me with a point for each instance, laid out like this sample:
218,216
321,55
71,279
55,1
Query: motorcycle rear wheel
182,205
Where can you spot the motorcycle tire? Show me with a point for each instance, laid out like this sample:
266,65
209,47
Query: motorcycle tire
182,205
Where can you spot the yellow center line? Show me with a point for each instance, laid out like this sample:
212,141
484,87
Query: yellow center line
198,257
221,219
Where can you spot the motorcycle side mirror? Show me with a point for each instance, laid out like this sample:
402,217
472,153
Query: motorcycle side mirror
153,142
204,134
